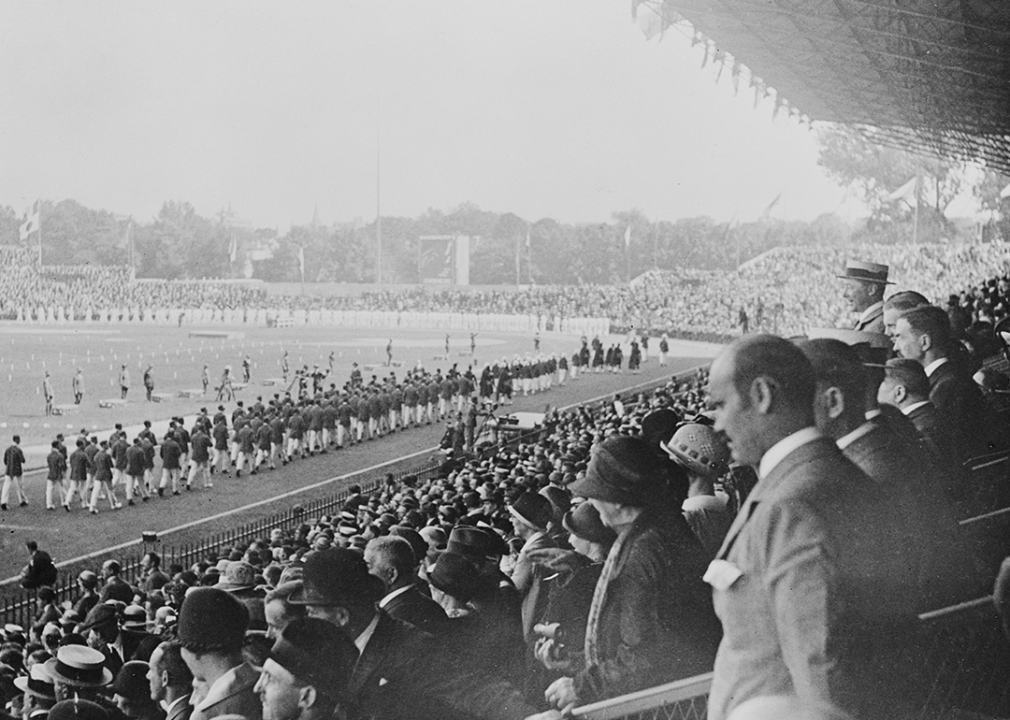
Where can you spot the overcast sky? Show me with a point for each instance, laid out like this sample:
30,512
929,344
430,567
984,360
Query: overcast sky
556,108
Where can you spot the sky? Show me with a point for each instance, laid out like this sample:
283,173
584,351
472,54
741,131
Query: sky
557,109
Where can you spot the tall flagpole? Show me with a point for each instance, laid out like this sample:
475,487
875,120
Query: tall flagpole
378,205
40,234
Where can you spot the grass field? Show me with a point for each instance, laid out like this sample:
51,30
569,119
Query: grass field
177,360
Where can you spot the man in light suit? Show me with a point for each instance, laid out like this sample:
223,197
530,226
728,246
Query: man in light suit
864,289
212,625
801,581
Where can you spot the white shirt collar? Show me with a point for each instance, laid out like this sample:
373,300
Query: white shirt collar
868,312
361,642
390,596
717,502
781,450
845,440
914,406
874,413
931,368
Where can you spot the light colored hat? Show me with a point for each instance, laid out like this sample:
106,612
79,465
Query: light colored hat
866,272
700,449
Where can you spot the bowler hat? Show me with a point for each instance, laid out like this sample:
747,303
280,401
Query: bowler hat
99,616
417,543
78,710
79,666
131,681
475,543
622,470
335,576
212,619
318,653
134,618
584,522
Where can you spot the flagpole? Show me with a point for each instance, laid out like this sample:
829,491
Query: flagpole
40,235
378,206
915,216
518,277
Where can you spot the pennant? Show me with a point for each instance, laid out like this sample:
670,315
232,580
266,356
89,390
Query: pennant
301,260
31,220
233,249
906,191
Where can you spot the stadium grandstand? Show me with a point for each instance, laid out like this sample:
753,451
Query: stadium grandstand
806,528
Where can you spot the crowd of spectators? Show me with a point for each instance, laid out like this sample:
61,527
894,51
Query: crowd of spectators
785,291
567,568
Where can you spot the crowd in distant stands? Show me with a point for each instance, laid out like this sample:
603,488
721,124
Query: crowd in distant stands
785,291
601,556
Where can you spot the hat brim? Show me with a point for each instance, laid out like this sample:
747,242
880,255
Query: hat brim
55,674
300,597
21,683
230,587
864,279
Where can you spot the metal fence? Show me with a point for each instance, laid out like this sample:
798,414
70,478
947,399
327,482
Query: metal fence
959,660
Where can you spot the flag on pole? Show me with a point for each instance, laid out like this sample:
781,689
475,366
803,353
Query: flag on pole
527,238
1005,192
31,221
906,191
771,205
301,260
627,237
233,249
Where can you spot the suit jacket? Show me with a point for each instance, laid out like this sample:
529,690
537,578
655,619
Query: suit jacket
963,412
937,438
873,323
181,710
233,698
417,609
404,673
116,588
813,594
934,542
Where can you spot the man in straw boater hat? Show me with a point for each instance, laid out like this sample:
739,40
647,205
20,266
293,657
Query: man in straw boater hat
78,672
306,672
39,692
864,289
212,626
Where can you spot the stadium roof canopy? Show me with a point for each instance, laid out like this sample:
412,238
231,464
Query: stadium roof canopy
928,75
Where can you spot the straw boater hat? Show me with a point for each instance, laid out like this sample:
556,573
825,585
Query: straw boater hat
79,666
866,272
37,683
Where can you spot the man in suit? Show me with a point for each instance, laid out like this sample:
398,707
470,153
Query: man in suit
392,560
924,335
864,289
212,625
402,672
115,588
799,583
305,675
171,681
935,555
897,305
101,628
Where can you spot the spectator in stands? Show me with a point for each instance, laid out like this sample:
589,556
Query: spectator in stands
797,581
306,674
39,692
897,305
923,335
101,628
212,626
704,456
651,618
531,515
278,611
932,566
87,581
400,672
152,576
133,693
114,587
79,672
170,680
392,560
45,602
864,289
